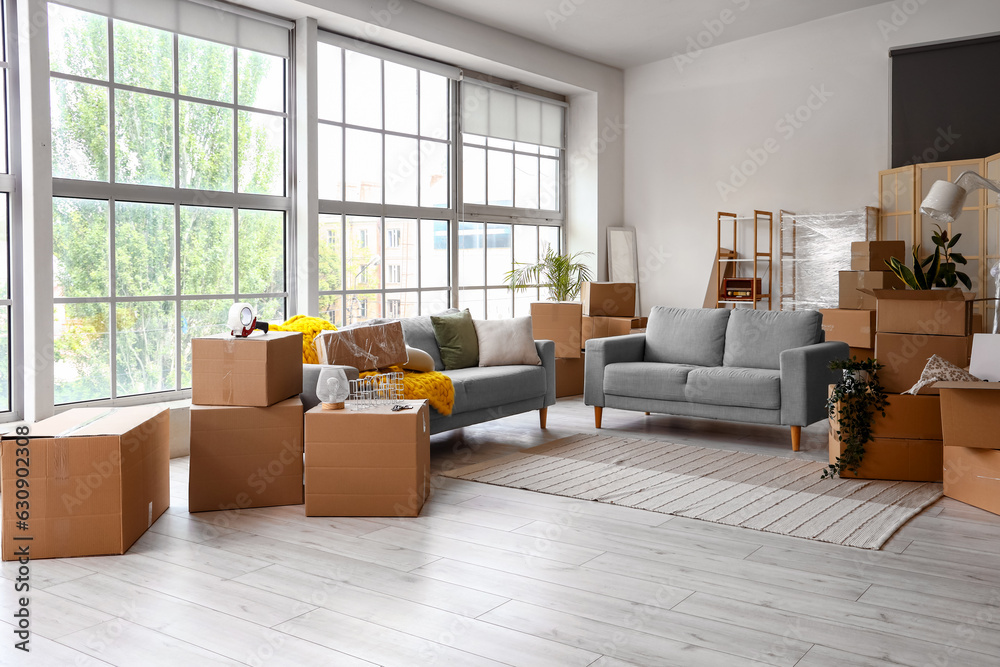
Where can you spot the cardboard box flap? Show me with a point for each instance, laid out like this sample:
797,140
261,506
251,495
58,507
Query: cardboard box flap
994,386
954,294
93,421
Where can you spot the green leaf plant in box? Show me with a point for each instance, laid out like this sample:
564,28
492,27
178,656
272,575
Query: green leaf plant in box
937,270
854,402
561,274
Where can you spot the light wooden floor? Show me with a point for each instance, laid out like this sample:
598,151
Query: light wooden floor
488,575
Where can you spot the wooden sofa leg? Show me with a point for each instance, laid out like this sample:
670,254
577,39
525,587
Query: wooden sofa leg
598,413
796,437
542,415
647,414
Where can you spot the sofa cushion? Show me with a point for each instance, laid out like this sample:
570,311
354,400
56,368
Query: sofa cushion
418,332
505,342
647,379
456,339
695,336
756,338
735,387
477,388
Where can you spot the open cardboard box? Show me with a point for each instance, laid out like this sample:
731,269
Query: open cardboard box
904,357
97,479
938,312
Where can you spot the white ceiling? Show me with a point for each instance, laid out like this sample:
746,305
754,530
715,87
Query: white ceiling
626,33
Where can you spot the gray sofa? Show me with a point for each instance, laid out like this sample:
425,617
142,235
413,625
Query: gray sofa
765,367
481,394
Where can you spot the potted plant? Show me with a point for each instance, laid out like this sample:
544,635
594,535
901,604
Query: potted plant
853,404
561,274
937,270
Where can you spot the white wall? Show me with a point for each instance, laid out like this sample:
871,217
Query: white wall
691,124
596,92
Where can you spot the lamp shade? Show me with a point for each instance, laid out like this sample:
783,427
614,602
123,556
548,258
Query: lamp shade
944,202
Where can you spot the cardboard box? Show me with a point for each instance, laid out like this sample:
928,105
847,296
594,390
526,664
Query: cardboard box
945,312
245,457
862,353
561,322
608,299
257,371
905,355
569,376
366,347
97,479
603,327
896,459
872,255
852,281
854,327
972,476
906,417
970,414
373,462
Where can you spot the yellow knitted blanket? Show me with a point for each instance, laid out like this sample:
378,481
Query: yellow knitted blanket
309,327
434,386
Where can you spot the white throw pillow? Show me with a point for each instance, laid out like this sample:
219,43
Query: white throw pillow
506,342
418,360
940,370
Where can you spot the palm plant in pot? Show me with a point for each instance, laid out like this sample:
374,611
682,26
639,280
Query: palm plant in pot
852,405
937,270
562,275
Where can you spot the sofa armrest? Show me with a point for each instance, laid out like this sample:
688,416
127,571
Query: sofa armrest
310,376
805,376
603,351
547,353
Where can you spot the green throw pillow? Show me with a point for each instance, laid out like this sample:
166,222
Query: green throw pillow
456,338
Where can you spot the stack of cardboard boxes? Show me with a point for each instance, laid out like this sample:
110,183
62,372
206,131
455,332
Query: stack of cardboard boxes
970,413
246,422
607,309
853,322
910,327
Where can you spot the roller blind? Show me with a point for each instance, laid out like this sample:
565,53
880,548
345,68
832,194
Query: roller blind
202,18
508,114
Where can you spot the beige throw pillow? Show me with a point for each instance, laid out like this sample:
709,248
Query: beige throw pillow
506,342
940,370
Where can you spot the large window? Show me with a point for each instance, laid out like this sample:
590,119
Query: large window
385,186
512,157
169,175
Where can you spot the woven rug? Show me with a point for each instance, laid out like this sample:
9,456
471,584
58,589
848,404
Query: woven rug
768,493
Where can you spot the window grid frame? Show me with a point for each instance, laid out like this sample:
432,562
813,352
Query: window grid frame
235,201
8,186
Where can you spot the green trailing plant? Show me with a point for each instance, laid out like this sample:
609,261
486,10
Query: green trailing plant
561,274
855,401
937,270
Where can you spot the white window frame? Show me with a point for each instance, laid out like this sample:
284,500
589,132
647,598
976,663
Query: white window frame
178,197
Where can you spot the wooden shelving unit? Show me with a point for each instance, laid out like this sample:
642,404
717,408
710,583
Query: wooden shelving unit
747,273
